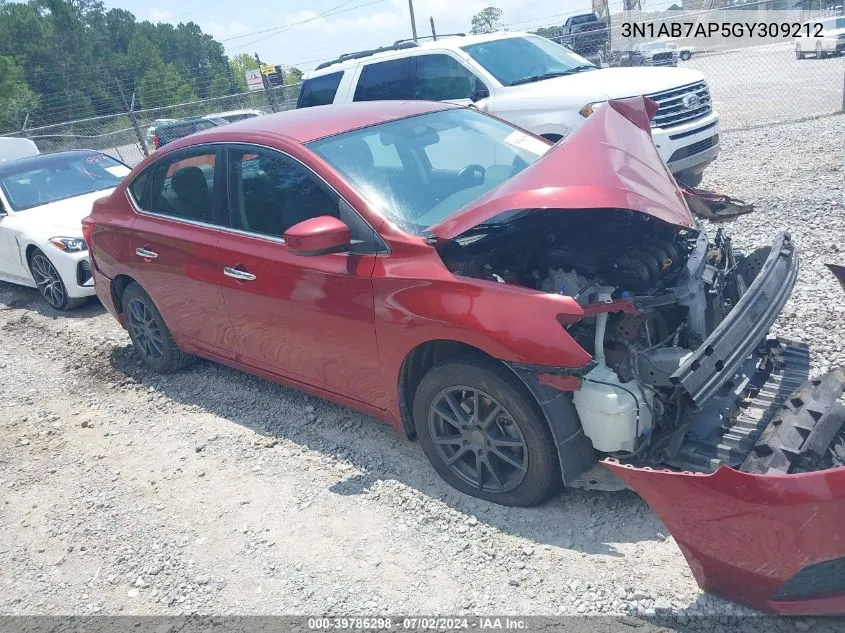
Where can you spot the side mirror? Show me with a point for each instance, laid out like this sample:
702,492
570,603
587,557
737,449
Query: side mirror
318,236
479,94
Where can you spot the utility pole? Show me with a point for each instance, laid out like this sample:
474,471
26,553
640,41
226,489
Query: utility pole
433,32
413,19
130,110
271,101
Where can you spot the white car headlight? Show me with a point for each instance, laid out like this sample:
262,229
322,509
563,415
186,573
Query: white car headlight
588,109
69,244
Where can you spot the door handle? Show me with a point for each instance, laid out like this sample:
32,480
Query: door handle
143,252
241,275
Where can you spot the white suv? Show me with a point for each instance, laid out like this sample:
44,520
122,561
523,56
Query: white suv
531,82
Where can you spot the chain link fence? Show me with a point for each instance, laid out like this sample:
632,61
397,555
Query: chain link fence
750,87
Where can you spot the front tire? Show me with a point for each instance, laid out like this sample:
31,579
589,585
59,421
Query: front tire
685,56
819,51
484,434
799,53
150,336
50,283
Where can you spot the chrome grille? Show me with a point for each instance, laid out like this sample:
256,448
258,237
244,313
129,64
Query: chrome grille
672,110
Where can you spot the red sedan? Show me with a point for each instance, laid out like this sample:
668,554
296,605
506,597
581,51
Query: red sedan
535,315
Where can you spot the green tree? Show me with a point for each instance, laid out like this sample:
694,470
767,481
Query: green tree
547,31
292,76
487,20
163,85
16,98
239,64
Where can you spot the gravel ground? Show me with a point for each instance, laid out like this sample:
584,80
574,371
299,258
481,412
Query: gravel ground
212,491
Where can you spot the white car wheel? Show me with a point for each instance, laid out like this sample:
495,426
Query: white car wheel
50,283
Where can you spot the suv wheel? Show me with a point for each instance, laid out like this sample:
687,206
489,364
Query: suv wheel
819,51
484,434
798,53
149,334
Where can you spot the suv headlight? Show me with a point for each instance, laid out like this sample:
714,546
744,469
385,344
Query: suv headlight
69,244
588,109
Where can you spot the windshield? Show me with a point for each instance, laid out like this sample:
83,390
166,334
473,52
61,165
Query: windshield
59,176
419,171
516,60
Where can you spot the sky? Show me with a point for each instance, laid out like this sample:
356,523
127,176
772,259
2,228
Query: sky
303,33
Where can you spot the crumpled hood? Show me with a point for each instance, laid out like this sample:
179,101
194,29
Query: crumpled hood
610,162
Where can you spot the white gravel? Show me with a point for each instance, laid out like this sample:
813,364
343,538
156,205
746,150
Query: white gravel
212,491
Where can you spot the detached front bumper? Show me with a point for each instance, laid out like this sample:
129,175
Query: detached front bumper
773,542
759,536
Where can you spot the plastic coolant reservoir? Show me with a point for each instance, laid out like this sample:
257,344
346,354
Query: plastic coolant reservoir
609,413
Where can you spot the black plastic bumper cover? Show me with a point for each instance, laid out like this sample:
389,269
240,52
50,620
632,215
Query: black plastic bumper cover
719,357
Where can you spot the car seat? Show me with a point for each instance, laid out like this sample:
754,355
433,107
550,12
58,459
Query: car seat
191,189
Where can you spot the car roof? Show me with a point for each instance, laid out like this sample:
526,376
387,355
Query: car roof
34,162
309,124
447,43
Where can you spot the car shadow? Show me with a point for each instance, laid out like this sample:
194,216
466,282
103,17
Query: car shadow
14,297
587,521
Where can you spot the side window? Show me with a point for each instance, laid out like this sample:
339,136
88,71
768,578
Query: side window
183,186
440,77
137,186
270,192
319,90
386,80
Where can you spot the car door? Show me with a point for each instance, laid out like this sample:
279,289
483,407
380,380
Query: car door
310,319
173,248
441,77
12,266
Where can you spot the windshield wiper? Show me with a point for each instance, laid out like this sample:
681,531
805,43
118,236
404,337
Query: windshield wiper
557,73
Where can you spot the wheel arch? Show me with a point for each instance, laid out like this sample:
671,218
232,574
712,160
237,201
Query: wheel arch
575,452
418,362
118,287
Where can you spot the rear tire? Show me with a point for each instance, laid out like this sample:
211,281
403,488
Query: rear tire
152,340
798,53
819,51
484,434
685,56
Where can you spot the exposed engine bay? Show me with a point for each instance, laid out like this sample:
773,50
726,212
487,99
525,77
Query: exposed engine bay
665,290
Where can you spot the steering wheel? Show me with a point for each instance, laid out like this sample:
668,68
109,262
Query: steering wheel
472,174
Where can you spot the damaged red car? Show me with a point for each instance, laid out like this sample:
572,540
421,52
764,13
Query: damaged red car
535,315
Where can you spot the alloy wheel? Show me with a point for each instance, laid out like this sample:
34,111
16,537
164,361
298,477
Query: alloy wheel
478,439
145,330
48,280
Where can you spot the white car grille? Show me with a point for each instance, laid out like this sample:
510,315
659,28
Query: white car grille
681,105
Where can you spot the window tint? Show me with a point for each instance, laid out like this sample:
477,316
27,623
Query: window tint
386,80
440,77
136,187
183,187
270,192
319,90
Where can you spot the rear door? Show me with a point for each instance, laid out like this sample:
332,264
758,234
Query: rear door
310,319
173,249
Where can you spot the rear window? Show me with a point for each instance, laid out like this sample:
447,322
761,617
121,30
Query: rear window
319,90
386,80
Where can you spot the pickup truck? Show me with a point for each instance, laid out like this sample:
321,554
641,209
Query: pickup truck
585,34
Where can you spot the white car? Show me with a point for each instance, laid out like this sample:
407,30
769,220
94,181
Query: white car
830,41
234,115
13,147
531,82
657,53
42,202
